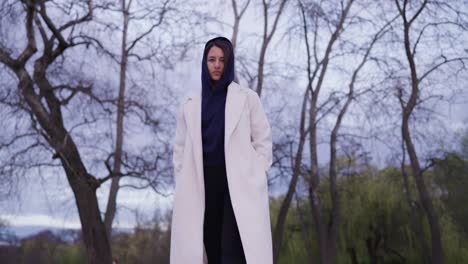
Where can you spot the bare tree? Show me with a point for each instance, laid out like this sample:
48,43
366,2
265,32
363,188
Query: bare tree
46,109
45,93
326,232
296,170
237,18
351,95
127,49
413,36
316,67
267,36
235,30
416,214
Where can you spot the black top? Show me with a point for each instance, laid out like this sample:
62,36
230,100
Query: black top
213,104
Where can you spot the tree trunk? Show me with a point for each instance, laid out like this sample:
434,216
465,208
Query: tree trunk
304,230
237,17
93,229
372,247
50,120
327,233
83,185
353,255
283,212
267,36
437,253
261,63
314,198
116,171
235,30
415,213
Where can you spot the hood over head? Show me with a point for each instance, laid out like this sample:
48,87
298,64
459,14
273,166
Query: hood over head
228,73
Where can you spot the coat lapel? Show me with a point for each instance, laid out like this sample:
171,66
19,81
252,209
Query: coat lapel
192,112
234,104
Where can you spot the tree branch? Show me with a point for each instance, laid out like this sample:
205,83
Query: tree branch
438,65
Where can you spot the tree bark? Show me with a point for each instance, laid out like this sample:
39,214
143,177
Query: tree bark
83,184
283,212
235,31
237,17
415,212
353,255
335,218
117,168
437,253
327,234
372,246
267,36
53,130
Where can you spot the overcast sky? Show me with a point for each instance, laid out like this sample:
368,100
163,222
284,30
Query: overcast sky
50,201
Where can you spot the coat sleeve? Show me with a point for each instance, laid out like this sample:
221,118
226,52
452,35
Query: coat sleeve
179,142
260,131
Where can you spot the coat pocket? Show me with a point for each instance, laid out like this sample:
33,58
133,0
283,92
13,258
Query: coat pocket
259,160
258,173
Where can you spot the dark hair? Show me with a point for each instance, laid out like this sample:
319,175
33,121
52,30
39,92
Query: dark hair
228,73
223,44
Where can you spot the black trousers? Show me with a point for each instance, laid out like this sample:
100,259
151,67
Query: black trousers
220,232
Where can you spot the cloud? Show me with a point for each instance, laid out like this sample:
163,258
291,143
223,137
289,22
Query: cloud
47,220
40,220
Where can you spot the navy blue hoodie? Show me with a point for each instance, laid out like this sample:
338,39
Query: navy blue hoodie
214,95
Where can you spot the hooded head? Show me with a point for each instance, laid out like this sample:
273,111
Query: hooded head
227,75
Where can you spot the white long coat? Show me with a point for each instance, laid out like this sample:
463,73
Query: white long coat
248,155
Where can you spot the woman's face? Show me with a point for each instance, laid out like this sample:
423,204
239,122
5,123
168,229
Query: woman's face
215,61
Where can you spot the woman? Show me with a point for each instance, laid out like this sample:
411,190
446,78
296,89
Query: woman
222,150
